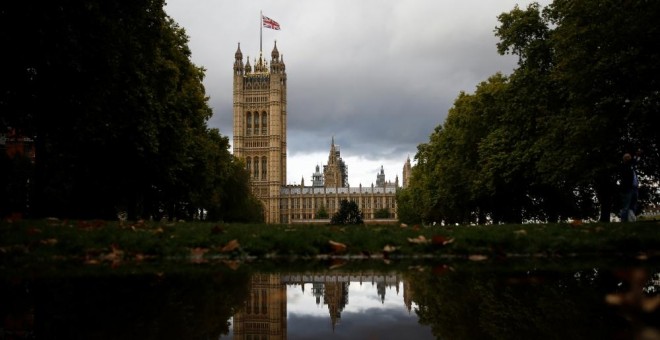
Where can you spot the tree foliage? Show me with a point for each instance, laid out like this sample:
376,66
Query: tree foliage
382,213
321,213
118,110
348,213
543,143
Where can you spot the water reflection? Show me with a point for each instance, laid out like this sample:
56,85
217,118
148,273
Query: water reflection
459,301
305,306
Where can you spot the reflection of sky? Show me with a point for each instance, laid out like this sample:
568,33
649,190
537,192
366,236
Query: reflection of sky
365,316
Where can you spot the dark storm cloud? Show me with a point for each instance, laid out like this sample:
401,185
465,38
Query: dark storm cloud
370,324
379,75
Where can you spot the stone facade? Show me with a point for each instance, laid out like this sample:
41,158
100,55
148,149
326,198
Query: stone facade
407,172
260,126
260,134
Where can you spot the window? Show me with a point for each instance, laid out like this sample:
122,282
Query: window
256,123
264,167
248,119
256,168
264,123
264,303
248,162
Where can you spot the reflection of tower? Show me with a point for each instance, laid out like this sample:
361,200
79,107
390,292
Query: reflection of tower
264,314
317,291
336,297
380,286
407,295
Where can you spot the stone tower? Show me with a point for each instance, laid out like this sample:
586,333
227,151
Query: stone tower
407,171
380,178
260,126
335,173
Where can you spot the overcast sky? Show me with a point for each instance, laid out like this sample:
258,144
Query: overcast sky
378,75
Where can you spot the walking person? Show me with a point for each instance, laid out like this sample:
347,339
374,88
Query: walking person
629,184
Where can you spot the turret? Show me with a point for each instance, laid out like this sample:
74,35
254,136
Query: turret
248,68
275,54
238,62
276,62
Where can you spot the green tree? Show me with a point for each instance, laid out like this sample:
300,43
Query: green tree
382,213
544,143
406,208
348,213
118,110
321,213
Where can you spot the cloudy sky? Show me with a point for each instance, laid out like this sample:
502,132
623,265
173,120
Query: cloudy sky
378,75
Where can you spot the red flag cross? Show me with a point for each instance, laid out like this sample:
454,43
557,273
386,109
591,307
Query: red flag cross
270,23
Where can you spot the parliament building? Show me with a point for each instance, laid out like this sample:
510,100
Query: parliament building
260,139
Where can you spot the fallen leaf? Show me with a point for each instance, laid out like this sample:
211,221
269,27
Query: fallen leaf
337,247
441,269
33,231
477,257
52,220
403,225
197,255
336,263
650,304
576,223
418,240
614,299
233,265
521,232
440,240
388,248
49,241
115,255
14,217
230,246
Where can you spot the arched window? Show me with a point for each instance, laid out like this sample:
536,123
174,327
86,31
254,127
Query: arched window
264,167
256,123
256,168
248,162
264,123
264,302
248,120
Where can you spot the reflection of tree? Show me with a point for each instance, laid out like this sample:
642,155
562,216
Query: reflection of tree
497,305
190,306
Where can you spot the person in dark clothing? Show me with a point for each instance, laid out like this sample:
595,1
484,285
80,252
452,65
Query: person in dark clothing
629,184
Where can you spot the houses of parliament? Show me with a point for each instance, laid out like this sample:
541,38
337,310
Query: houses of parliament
260,139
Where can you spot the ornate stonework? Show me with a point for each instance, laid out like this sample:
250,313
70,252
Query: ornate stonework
260,126
260,134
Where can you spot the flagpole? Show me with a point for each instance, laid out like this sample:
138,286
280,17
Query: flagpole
261,29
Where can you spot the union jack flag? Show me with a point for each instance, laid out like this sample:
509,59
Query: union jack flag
270,23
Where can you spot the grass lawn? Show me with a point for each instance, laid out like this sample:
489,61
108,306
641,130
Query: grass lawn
95,242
